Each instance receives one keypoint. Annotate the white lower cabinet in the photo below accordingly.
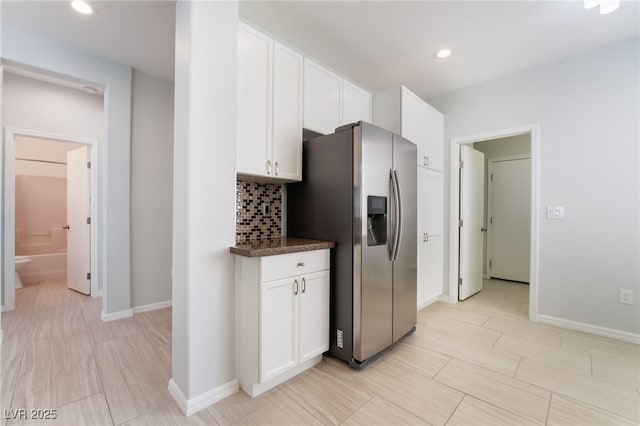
(313, 316)
(282, 322)
(278, 328)
(430, 269)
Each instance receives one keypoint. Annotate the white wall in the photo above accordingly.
(588, 110)
(503, 147)
(151, 189)
(37, 105)
(55, 58)
(204, 203)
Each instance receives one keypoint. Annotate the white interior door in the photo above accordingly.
(472, 216)
(79, 231)
(509, 226)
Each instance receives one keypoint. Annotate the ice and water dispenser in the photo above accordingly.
(376, 221)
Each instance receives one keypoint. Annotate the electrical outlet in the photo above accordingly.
(555, 212)
(625, 296)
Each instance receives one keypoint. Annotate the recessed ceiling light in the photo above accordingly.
(83, 7)
(606, 6)
(443, 53)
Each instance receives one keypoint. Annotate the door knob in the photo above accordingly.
(483, 229)
(66, 227)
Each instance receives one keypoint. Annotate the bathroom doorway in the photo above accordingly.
(50, 220)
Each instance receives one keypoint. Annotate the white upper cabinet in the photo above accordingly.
(322, 98)
(255, 53)
(269, 122)
(356, 104)
(434, 146)
(430, 203)
(287, 113)
(279, 93)
(404, 113)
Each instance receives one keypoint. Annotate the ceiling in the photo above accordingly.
(136, 33)
(377, 44)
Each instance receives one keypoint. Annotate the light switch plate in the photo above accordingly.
(555, 212)
(625, 296)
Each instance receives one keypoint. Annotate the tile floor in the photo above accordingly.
(479, 362)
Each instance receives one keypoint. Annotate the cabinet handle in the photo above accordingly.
(426, 234)
(295, 287)
(300, 264)
(426, 161)
(304, 285)
(268, 167)
(275, 168)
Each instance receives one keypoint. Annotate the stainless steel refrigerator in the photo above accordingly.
(359, 189)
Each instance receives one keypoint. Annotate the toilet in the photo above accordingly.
(21, 262)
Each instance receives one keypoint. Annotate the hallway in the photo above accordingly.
(57, 353)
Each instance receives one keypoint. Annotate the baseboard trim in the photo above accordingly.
(428, 302)
(444, 298)
(589, 328)
(193, 405)
(151, 307)
(116, 315)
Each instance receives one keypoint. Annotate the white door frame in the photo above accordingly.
(488, 225)
(454, 207)
(9, 208)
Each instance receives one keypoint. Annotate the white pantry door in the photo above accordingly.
(78, 228)
(510, 224)
(472, 216)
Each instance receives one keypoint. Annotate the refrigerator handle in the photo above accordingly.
(398, 238)
(396, 215)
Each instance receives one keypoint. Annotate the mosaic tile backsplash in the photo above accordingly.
(251, 222)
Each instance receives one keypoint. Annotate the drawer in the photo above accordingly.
(292, 264)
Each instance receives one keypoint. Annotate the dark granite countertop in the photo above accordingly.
(274, 246)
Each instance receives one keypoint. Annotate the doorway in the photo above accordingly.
(39, 158)
(530, 134)
(508, 216)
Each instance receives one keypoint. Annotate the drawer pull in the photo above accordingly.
(300, 264)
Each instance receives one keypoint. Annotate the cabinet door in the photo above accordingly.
(254, 101)
(322, 98)
(414, 122)
(314, 315)
(356, 104)
(435, 138)
(278, 327)
(430, 202)
(287, 113)
(430, 269)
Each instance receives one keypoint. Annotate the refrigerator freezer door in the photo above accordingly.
(405, 267)
(372, 283)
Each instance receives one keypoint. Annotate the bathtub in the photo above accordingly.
(43, 266)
